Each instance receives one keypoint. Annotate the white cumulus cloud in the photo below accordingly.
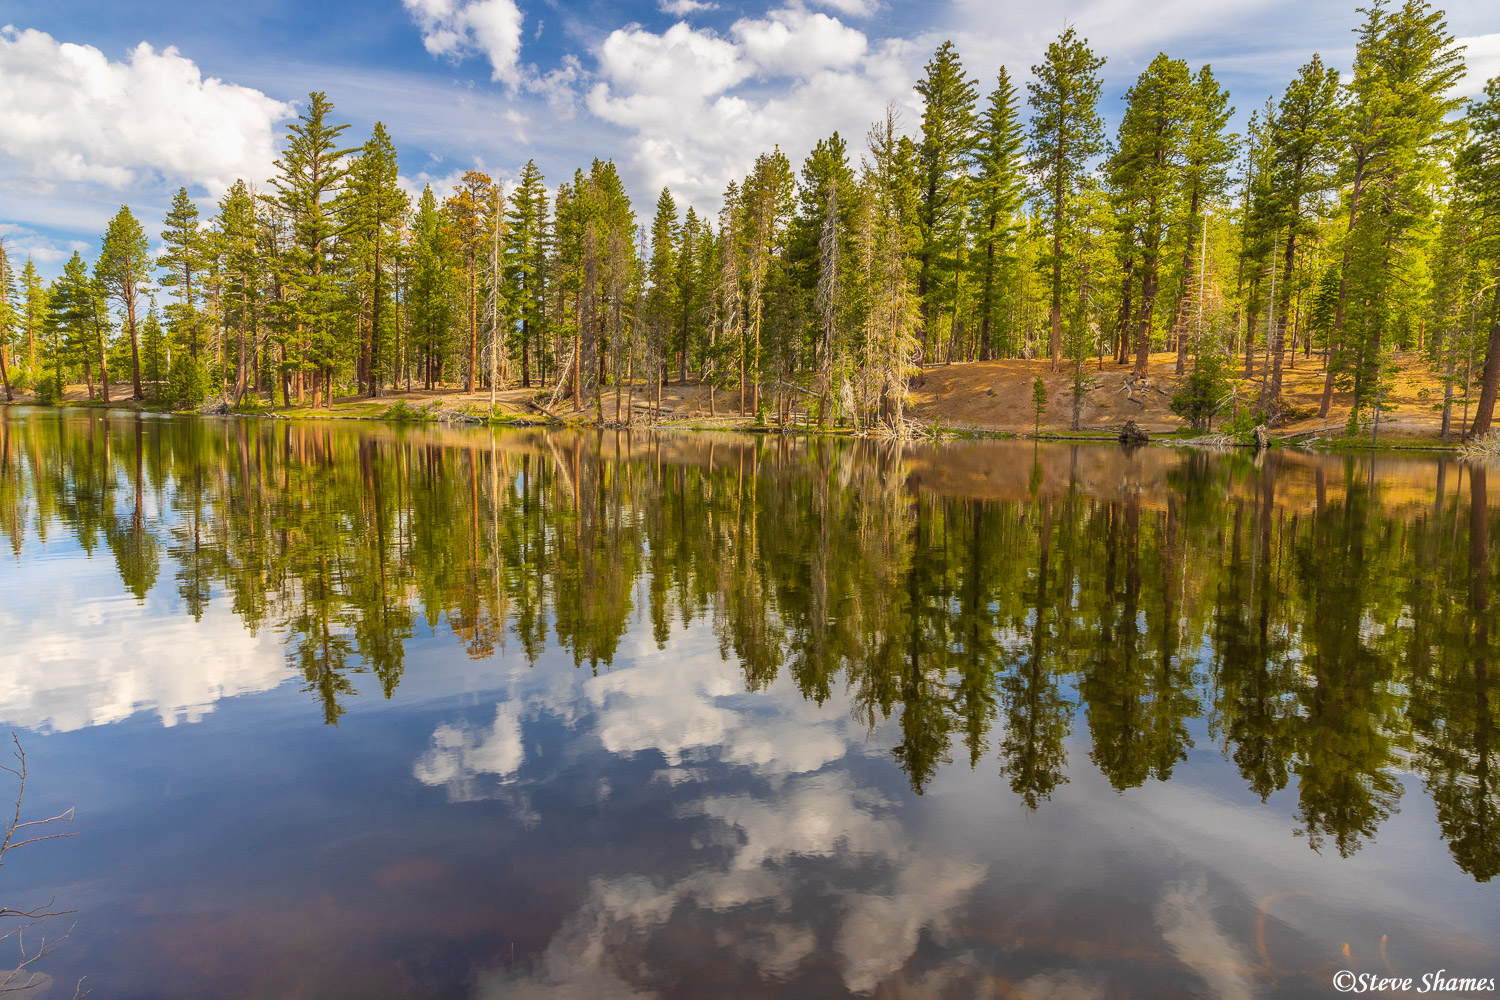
(682, 8)
(70, 114)
(102, 660)
(460, 755)
(699, 105)
(851, 8)
(1482, 62)
(459, 28)
(1185, 914)
(818, 837)
(795, 41)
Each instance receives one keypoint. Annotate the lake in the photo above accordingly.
(356, 710)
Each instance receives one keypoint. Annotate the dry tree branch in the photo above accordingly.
(22, 976)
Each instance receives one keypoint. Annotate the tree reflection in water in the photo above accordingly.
(1329, 623)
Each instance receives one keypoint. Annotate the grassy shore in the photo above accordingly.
(975, 399)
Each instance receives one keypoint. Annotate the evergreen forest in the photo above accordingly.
(1355, 220)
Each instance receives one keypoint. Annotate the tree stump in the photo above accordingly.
(1131, 433)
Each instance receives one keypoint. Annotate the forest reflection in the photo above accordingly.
(1327, 623)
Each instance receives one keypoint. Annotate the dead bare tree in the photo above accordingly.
(19, 833)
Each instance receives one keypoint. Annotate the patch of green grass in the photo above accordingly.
(252, 406)
(403, 412)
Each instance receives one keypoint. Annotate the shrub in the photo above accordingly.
(1242, 427)
(1203, 395)
(403, 411)
(187, 382)
(48, 389)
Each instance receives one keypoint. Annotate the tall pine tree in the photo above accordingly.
(1065, 133)
(948, 98)
(124, 266)
(999, 191)
(309, 174)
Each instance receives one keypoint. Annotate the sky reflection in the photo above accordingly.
(737, 721)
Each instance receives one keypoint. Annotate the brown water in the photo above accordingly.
(357, 711)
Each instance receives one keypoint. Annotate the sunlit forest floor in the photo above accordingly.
(997, 396)
(993, 396)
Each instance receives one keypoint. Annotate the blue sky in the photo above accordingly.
(104, 103)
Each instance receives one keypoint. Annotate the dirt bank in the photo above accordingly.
(988, 396)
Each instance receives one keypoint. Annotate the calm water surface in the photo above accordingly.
(357, 711)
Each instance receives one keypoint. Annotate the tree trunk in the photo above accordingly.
(1338, 313)
(374, 372)
(1284, 307)
(525, 353)
(240, 375)
(1143, 328)
(1126, 285)
(103, 367)
(1055, 345)
(473, 325)
(1179, 310)
(1250, 321)
(989, 286)
(1485, 411)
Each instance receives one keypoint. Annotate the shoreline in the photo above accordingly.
(965, 400)
(350, 411)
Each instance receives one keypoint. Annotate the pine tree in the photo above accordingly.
(373, 208)
(1090, 252)
(689, 288)
(1208, 151)
(615, 277)
(496, 303)
(766, 202)
(822, 262)
(235, 249)
(1145, 172)
(829, 289)
(52, 336)
(124, 266)
(1065, 134)
(1399, 102)
(33, 312)
(432, 288)
(571, 227)
(182, 259)
(526, 262)
(1255, 237)
(155, 354)
(662, 307)
(999, 191)
(948, 99)
(888, 243)
(1478, 169)
(309, 175)
(726, 333)
(7, 317)
(1303, 156)
(466, 209)
(72, 333)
